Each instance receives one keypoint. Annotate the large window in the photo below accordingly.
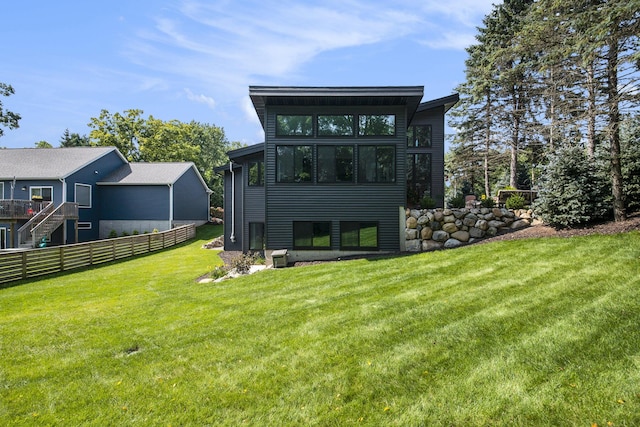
(294, 163)
(42, 193)
(256, 173)
(418, 177)
(256, 236)
(358, 235)
(311, 235)
(83, 195)
(419, 136)
(376, 163)
(335, 163)
(294, 125)
(377, 125)
(341, 125)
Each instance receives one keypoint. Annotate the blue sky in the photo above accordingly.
(195, 59)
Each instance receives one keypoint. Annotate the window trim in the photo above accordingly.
(350, 135)
(87, 225)
(1, 190)
(261, 172)
(75, 195)
(313, 236)
(386, 135)
(334, 158)
(411, 145)
(31, 188)
(3, 237)
(360, 225)
(253, 223)
(394, 164)
(294, 135)
(293, 177)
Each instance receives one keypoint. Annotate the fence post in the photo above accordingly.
(24, 264)
(61, 258)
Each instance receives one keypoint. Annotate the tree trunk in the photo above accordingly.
(591, 110)
(513, 166)
(619, 212)
(487, 147)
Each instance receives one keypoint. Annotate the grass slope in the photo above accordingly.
(532, 332)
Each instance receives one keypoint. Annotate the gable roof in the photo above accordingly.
(48, 163)
(261, 96)
(150, 174)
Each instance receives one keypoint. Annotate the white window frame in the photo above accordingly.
(75, 195)
(40, 187)
(85, 225)
(1, 190)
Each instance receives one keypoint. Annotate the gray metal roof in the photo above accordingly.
(48, 163)
(149, 174)
(261, 96)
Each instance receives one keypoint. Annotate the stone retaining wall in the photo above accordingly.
(430, 229)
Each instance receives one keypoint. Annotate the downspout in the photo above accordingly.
(170, 206)
(233, 204)
(64, 199)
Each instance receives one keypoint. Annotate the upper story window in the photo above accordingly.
(419, 136)
(1, 190)
(335, 163)
(256, 173)
(335, 125)
(377, 163)
(294, 163)
(83, 195)
(294, 125)
(41, 193)
(377, 125)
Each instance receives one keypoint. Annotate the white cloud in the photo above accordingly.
(207, 100)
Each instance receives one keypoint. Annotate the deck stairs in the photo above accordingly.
(45, 222)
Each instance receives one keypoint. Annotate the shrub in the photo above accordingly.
(573, 190)
(113, 234)
(630, 162)
(218, 272)
(242, 263)
(125, 234)
(457, 202)
(486, 202)
(515, 201)
(427, 202)
(135, 232)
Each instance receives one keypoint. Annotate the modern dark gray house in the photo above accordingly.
(69, 195)
(336, 171)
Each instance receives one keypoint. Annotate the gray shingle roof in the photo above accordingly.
(147, 174)
(47, 163)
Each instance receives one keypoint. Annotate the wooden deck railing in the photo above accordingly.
(13, 209)
(17, 265)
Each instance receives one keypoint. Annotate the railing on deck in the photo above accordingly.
(13, 209)
(16, 265)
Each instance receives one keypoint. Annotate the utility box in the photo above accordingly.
(279, 258)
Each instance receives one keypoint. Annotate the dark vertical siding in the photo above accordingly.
(326, 202)
(190, 199)
(435, 118)
(135, 202)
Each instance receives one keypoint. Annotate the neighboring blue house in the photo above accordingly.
(337, 169)
(85, 192)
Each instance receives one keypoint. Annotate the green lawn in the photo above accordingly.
(531, 332)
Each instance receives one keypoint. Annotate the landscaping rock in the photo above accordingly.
(413, 245)
(452, 243)
(426, 233)
(440, 236)
(449, 227)
(431, 245)
(412, 222)
(462, 236)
